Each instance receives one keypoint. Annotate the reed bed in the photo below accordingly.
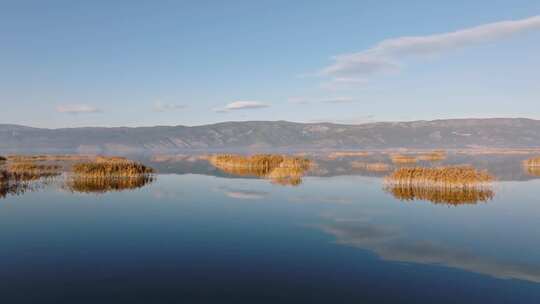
(447, 196)
(443, 177)
(49, 157)
(403, 159)
(433, 156)
(532, 166)
(281, 169)
(111, 167)
(11, 187)
(534, 171)
(262, 164)
(28, 171)
(372, 167)
(17, 183)
(532, 162)
(106, 184)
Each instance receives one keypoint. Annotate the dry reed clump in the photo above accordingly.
(448, 196)
(532, 162)
(48, 157)
(10, 186)
(534, 171)
(28, 171)
(281, 169)
(444, 177)
(263, 163)
(433, 156)
(532, 166)
(111, 167)
(373, 167)
(18, 183)
(106, 184)
(403, 159)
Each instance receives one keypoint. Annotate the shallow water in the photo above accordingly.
(218, 238)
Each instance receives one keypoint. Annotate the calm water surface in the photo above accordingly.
(199, 238)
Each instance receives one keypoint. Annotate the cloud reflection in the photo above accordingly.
(389, 245)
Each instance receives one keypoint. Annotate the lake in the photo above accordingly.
(198, 235)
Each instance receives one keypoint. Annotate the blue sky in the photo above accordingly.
(141, 63)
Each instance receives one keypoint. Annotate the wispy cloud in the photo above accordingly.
(77, 109)
(242, 105)
(386, 55)
(166, 107)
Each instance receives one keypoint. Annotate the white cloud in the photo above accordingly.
(77, 109)
(166, 107)
(242, 105)
(385, 56)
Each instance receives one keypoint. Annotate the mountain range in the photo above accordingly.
(269, 135)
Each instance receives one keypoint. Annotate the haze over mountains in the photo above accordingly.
(452, 133)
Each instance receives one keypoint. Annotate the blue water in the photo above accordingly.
(205, 239)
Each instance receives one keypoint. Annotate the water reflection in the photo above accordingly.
(389, 244)
(98, 185)
(441, 195)
(532, 170)
(19, 182)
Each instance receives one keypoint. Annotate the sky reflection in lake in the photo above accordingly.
(204, 238)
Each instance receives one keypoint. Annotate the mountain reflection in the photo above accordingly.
(441, 195)
(106, 184)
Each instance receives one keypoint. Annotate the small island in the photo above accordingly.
(450, 185)
(281, 169)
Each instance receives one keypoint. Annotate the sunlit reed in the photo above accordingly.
(403, 159)
(281, 169)
(433, 156)
(446, 177)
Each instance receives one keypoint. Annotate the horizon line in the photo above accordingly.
(274, 121)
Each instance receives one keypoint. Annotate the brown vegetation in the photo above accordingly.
(433, 156)
(403, 159)
(20, 178)
(532, 162)
(444, 177)
(51, 157)
(281, 169)
(22, 173)
(106, 184)
(335, 155)
(532, 166)
(448, 185)
(111, 167)
(449, 196)
(373, 167)
(30, 169)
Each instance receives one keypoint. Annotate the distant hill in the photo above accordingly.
(452, 133)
